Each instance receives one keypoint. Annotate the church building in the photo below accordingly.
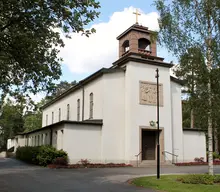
(111, 116)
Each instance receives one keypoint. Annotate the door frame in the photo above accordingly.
(161, 137)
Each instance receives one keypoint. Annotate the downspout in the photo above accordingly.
(83, 102)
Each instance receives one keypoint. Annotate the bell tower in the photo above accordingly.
(137, 39)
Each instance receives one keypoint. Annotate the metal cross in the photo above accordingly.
(137, 14)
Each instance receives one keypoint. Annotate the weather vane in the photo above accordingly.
(137, 14)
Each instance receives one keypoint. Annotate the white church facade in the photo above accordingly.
(107, 116)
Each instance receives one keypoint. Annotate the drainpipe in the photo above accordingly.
(83, 102)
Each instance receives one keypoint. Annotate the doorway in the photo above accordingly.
(148, 144)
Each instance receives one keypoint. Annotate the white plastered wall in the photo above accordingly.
(82, 142)
(194, 145)
(113, 118)
(95, 87)
(177, 129)
(137, 115)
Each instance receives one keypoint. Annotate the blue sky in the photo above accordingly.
(108, 9)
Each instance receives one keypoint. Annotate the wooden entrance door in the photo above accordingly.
(148, 145)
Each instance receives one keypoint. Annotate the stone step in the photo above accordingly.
(154, 164)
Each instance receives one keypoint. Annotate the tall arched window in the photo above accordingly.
(78, 110)
(59, 114)
(46, 119)
(91, 106)
(126, 46)
(68, 112)
(144, 44)
(52, 117)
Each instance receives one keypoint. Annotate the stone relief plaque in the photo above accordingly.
(148, 93)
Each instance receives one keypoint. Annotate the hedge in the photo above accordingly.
(41, 155)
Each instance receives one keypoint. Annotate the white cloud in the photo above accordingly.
(85, 55)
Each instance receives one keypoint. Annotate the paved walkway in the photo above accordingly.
(16, 176)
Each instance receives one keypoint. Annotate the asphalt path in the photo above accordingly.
(16, 176)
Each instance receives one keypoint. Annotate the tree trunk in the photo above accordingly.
(210, 130)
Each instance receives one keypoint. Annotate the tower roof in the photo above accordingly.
(135, 27)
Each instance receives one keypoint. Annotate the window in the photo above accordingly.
(55, 139)
(78, 110)
(68, 111)
(91, 106)
(38, 139)
(46, 119)
(59, 114)
(52, 117)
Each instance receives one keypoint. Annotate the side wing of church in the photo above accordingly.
(111, 115)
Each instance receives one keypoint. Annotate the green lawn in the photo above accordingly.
(169, 184)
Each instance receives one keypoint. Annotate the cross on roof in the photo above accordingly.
(137, 14)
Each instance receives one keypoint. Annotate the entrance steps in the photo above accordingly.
(152, 164)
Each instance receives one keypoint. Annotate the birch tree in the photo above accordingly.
(189, 23)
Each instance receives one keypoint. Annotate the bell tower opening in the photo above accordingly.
(126, 46)
(144, 44)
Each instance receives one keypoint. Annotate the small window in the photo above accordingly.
(52, 117)
(78, 110)
(91, 106)
(45, 139)
(42, 139)
(38, 139)
(68, 111)
(46, 119)
(59, 114)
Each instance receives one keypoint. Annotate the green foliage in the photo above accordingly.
(190, 29)
(11, 122)
(32, 121)
(184, 24)
(28, 154)
(216, 155)
(48, 154)
(40, 155)
(59, 88)
(200, 179)
(60, 161)
(170, 183)
(30, 40)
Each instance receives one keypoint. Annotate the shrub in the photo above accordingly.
(216, 155)
(200, 179)
(47, 154)
(200, 160)
(85, 162)
(42, 155)
(60, 161)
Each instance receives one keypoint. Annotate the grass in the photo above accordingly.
(170, 184)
